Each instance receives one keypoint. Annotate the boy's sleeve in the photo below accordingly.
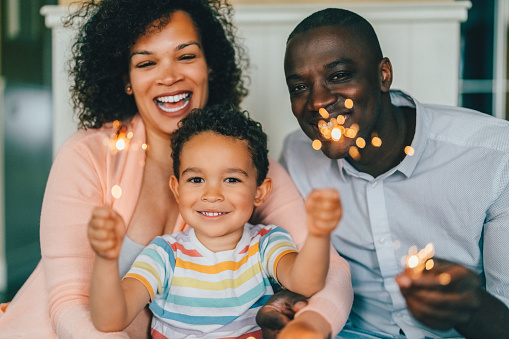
(273, 246)
(154, 266)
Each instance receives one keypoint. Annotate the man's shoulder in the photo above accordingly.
(467, 127)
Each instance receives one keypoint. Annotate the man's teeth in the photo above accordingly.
(212, 214)
(173, 98)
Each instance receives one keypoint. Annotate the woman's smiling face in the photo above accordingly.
(168, 73)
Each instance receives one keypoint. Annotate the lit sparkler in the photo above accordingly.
(421, 260)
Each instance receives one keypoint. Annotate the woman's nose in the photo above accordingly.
(170, 74)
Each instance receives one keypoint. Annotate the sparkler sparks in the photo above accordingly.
(116, 191)
(419, 261)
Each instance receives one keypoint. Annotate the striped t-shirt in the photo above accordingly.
(196, 293)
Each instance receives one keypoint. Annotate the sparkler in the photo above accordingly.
(419, 261)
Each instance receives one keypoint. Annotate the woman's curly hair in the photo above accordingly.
(224, 120)
(111, 27)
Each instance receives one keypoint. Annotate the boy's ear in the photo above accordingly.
(263, 191)
(174, 186)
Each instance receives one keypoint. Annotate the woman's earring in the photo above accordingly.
(128, 89)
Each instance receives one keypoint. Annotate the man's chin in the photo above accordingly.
(334, 151)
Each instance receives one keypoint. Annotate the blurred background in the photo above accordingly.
(27, 104)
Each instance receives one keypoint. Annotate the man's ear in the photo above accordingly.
(385, 71)
(263, 191)
(174, 186)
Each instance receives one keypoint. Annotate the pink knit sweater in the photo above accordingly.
(53, 303)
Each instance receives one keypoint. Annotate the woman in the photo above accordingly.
(140, 67)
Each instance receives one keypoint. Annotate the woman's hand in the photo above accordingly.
(276, 318)
(106, 231)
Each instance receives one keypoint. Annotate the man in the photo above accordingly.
(450, 190)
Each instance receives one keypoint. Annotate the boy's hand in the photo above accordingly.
(324, 211)
(106, 231)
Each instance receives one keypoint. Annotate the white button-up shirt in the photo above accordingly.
(453, 192)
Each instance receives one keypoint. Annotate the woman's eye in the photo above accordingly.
(232, 180)
(145, 64)
(187, 57)
(195, 180)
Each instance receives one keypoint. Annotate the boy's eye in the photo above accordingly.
(195, 180)
(232, 180)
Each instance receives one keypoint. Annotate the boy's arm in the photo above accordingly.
(113, 303)
(305, 272)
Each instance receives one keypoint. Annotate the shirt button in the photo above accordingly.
(381, 241)
(374, 183)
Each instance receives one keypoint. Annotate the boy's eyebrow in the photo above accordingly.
(228, 170)
(178, 48)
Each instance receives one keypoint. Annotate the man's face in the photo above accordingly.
(324, 67)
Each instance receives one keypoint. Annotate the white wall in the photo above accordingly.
(422, 39)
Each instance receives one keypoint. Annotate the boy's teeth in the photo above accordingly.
(212, 214)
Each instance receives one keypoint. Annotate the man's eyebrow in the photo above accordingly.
(179, 47)
(342, 61)
(330, 65)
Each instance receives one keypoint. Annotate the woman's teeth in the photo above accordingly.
(161, 101)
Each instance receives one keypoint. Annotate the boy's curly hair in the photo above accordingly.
(225, 120)
(111, 27)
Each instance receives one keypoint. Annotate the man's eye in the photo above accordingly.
(339, 76)
(232, 180)
(297, 89)
(195, 180)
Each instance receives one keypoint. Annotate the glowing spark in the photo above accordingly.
(361, 143)
(409, 150)
(444, 279)
(418, 261)
(120, 144)
(317, 144)
(354, 153)
(340, 119)
(144, 146)
(130, 135)
(350, 133)
(116, 191)
(322, 124)
(336, 134)
(116, 124)
(413, 261)
(348, 103)
(376, 141)
(323, 112)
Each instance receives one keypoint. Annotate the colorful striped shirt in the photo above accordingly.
(197, 293)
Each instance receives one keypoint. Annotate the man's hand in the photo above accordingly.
(106, 231)
(276, 319)
(443, 297)
(324, 211)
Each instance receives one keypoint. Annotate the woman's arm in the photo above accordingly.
(76, 184)
(285, 207)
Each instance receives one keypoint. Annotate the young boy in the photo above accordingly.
(210, 281)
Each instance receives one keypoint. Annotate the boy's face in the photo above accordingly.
(217, 188)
